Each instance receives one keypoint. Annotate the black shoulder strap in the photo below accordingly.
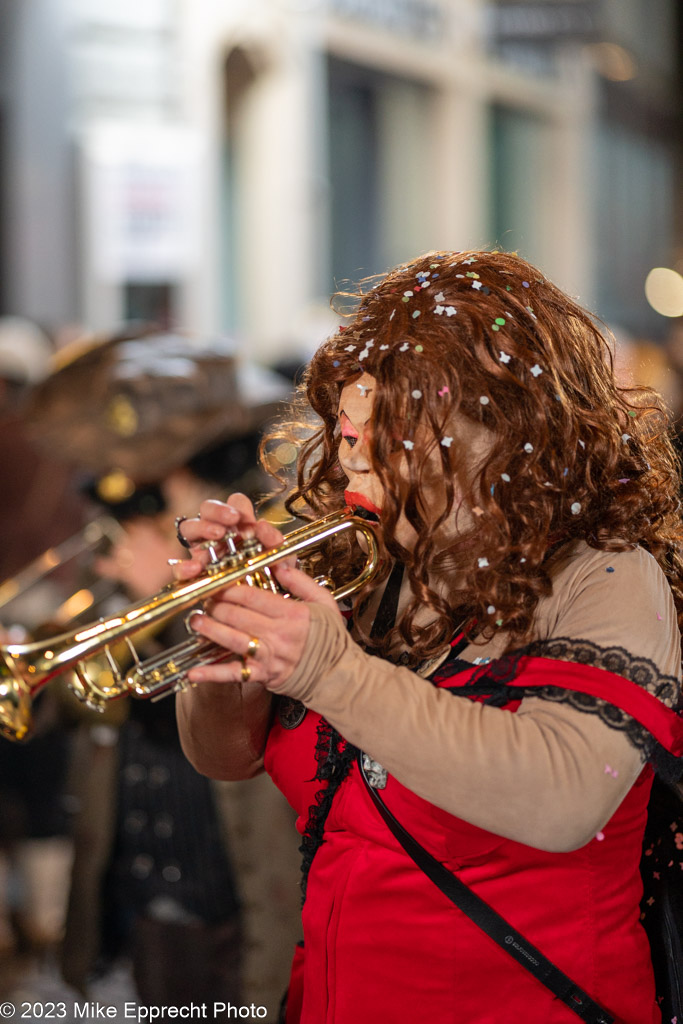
(388, 606)
(486, 918)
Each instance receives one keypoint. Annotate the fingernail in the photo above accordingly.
(194, 620)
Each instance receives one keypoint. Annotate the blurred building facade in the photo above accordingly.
(223, 165)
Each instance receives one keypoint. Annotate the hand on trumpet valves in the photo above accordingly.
(213, 521)
(267, 631)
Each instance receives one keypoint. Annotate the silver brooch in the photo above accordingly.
(374, 773)
(290, 712)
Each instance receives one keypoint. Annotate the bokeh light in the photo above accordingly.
(664, 291)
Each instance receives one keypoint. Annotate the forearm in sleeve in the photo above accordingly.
(223, 728)
(548, 776)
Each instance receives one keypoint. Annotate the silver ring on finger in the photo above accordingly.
(182, 540)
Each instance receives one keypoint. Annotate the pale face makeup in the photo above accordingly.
(364, 488)
(355, 411)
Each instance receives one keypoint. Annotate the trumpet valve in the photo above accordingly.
(215, 561)
(251, 546)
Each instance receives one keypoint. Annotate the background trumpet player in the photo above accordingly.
(163, 860)
(532, 588)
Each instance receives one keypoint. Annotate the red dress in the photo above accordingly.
(382, 943)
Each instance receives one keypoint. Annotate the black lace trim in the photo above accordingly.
(334, 757)
(618, 660)
(492, 681)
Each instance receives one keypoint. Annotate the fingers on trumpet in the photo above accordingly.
(204, 535)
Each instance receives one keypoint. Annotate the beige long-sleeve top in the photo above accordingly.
(549, 776)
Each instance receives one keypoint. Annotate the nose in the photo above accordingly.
(357, 459)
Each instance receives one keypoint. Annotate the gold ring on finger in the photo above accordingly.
(252, 647)
(246, 673)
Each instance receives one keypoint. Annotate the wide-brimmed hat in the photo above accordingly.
(25, 350)
(145, 404)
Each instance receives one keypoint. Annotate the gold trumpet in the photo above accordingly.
(26, 668)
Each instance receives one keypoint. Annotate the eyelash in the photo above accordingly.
(350, 440)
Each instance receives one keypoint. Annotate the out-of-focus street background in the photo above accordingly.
(223, 164)
(215, 169)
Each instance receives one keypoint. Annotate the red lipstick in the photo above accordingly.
(356, 498)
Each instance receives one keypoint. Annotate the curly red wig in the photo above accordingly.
(573, 454)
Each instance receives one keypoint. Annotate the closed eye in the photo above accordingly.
(348, 431)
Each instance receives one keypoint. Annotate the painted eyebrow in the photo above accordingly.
(349, 425)
(343, 412)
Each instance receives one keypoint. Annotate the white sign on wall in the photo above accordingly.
(420, 18)
(142, 203)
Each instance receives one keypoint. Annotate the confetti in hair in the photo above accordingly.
(597, 465)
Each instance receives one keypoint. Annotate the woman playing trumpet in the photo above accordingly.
(508, 680)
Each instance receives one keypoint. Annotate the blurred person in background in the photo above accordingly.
(151, 421)
(40, 507)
